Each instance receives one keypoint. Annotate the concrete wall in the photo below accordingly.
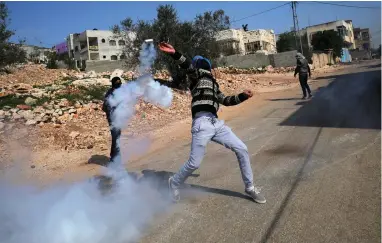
(104, 66)
(283, 59)
(360, 54)
(246, 61)
(321, 59)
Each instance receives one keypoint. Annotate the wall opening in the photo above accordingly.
(121, 42)
(114, 57)
(103, 40)
(112, 43)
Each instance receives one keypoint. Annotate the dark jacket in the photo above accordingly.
(107, 108)
(206, 95)
(302, 67)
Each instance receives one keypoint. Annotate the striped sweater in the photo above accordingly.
(206, 95)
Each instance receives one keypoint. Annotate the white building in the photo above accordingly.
(36, 54)
(95, 45)
(247, 42)
(344, 27)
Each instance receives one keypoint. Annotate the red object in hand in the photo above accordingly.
(248, 93)
(167, 48)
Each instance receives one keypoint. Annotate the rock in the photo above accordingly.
(91, 82)
(91, 74)
(90, 146)
(14, 110)
(16, 116)
(56, 125)
(72, 111)
(2, 125)
(38, 93)
(49, 112)
(30, 101)
(22, 88)
(28, 115)
(24, 107)
(269, 68)
(55, 114)
(73, 135)
(39, 110)
(33, 166)
(2, 114)
(31, 122)
(7, 108)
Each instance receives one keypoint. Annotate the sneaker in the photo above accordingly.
(310, 96)
(303, 98)
(174, 192)
(256, 196)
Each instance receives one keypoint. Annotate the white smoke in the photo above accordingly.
(81, 212)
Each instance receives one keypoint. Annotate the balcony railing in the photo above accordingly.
(93, 48)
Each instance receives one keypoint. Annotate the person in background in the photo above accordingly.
(206, 98)
(303, 71)
(116, 83)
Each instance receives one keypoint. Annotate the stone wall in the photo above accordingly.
(105, 66)
(360, 54)
(245, 61)
(320, 59)
(283, 59)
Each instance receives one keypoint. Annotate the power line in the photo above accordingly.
(260, 13)
(343, 5)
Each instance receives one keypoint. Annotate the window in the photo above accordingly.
(103, 41)
(104, 57)
(114, 57)
(112, 43)
(365, 35)
(122, 57)
(252, 47)
(121, 42)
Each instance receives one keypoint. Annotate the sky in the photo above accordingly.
(48, 23)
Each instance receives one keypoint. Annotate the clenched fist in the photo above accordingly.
(248, 93)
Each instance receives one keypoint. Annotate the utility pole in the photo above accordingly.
(296, 27)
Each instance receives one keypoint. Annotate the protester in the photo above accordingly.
(303, 71)
(206, 127)
(108, 109)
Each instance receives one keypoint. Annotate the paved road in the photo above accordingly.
(317, 162)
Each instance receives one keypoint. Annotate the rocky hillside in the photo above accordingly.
(64, 107)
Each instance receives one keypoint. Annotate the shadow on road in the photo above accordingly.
(349, 101)
(101, 160)
(158, 180)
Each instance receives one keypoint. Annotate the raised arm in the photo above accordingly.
(234, 99)
(181, 60)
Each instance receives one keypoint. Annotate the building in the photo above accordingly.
(243, 42)
(61, 48)
(36, 54)
(344, 27)
(362, 39)
(95, 45)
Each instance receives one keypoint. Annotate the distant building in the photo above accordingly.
(344, 27)
(36, 54)
(362, 39)
(95, 45)
(238, 41)
(61, 48)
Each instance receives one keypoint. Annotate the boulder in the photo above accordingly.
(30, 101)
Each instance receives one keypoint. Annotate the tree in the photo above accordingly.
(192, 38)
(52, 61)
(9, 52)
(328, 39)
(287, 42)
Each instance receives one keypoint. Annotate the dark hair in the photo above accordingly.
(115, 79)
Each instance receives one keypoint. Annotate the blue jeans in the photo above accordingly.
(205, 127)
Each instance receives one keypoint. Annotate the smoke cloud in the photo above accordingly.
(81, 212)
